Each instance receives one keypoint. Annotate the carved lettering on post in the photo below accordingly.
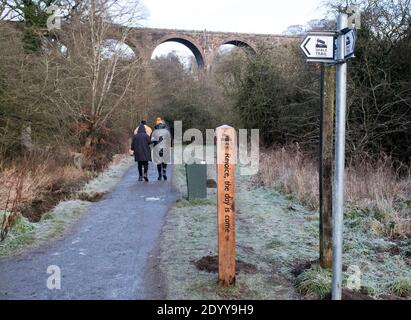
(226, 158)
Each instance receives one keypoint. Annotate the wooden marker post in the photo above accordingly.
(326, 164)
(226, 155)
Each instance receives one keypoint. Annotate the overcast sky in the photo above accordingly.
(254, 16)
(251, 16)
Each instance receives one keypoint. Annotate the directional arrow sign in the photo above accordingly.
(319, 47)
(350, 39)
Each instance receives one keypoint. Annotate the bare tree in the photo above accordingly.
(87, 91)
(97, 78)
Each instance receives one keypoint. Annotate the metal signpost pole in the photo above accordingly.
(338, 190)
(334, 47)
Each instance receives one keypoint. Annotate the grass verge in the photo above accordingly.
(274, 233)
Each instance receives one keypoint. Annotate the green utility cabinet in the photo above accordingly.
(196, 180)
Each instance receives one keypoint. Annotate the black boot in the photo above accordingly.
(140, 178)
(145, 177)
(159, 178)
(164, 175)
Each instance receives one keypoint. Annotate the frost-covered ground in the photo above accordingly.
(273, 233)
(52, 224)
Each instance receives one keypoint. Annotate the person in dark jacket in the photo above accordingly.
(161, 154)
(142, 152)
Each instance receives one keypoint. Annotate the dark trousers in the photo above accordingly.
(162, 169)
(141, 165)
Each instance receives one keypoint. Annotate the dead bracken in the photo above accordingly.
(91, 197)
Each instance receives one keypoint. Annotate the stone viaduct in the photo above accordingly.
(203, 44)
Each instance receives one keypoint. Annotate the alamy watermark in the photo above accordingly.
(191, 147)
(354, 16)
(54, 280)
(354, 278)
(54, 20)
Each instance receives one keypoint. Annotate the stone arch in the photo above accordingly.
(124, 43)
(248, 48)
(189, 43)
(116, 34)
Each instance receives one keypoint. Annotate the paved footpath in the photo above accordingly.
(110, 253)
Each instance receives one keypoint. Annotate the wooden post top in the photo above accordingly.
(224, 133)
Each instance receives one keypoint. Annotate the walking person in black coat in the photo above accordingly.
(142, 152)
